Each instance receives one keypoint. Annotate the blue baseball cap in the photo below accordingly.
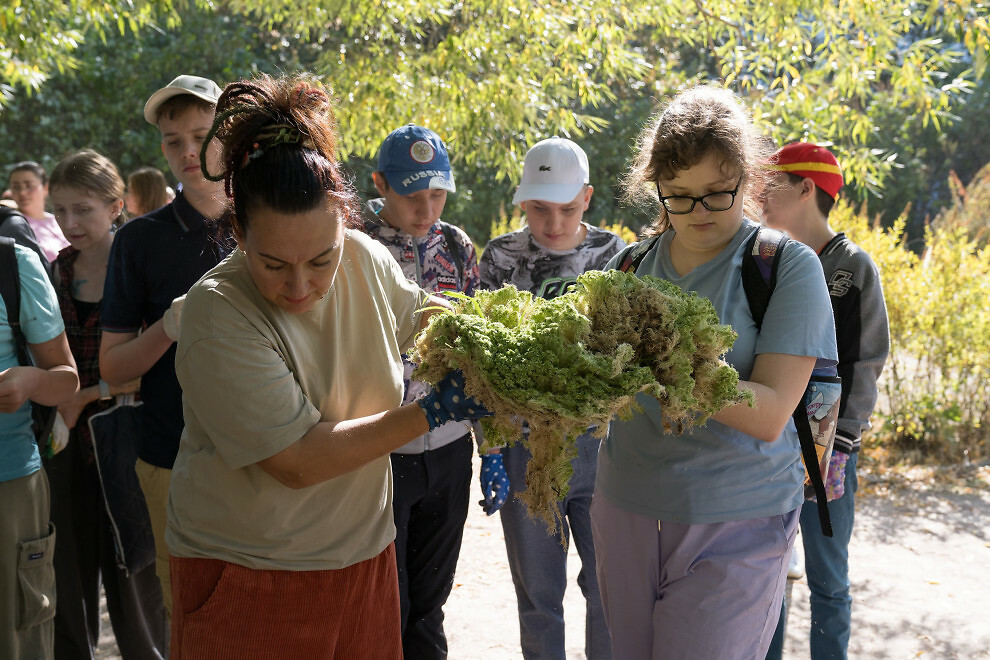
(413, 158)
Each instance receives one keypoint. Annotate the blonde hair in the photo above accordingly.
(149, 188)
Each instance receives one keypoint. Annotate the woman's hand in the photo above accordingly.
(447, 402)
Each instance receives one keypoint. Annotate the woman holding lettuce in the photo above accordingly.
(280, 522)
(693, 530)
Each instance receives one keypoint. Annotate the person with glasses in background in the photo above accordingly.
(693, 530)
(805, 184)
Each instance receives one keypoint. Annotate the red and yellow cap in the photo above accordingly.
(811, 161)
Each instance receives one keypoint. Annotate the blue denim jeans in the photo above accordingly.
(538, 561)
(826, 564)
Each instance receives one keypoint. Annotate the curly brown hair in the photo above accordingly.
(279, 149)
(699, 122)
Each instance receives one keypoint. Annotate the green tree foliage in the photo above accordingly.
(518, 71)
(932, 163)
(100, 104)
(866, 77)
(39, 37)
(492, 77)
(934, 390)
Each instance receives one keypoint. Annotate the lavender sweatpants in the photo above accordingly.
(673, 591)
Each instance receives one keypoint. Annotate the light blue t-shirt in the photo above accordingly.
(714, 473)
(41, 321)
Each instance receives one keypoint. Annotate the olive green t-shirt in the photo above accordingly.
(255, 379)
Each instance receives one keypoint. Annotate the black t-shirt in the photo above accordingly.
(155, 259)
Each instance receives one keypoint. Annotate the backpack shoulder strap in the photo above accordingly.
(635, 253)
(10, 280)
(7, 211)
(810, 457)
(759, 275)
(14, 225)
(759, 269)
(455, 249)
(10, 290)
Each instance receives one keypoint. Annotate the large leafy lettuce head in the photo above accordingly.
(578, 360)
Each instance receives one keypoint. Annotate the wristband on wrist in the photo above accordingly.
(104, 391)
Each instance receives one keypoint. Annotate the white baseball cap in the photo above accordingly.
(202, 88)
(555, 171)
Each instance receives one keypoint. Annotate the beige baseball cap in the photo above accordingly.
(202, 88)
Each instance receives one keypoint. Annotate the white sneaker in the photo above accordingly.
(795, 567)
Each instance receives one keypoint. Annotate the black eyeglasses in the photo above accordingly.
(684, 204)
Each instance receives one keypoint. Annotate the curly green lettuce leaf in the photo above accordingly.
(579, 360)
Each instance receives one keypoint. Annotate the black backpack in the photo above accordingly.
(759, 275)
(455, 249)
(16, 226)
(42, 417)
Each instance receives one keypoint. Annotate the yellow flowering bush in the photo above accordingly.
(935, 398)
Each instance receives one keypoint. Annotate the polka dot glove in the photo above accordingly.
(447, 402)
(494, 483)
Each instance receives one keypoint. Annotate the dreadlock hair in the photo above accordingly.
(704, 121)
(279, 149)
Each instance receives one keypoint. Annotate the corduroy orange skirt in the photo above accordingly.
(222, 610)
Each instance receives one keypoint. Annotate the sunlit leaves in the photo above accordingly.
(935, 386)
(817, 71)
(494, 76)
(39, 37)
(491, 77)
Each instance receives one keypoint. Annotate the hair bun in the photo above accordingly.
(308, 94)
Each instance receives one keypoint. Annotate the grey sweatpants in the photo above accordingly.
(674, 591)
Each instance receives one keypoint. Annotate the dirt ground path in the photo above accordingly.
(918, 564)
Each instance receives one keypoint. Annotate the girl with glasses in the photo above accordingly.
(693, 530)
